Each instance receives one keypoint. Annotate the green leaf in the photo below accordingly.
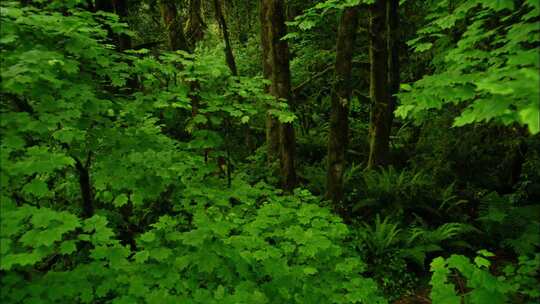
(141, 257)
(310, 270)
(531, 117)
(498, 5)
(485, 253)
(160, 254)
(422, 47)
(37, 188)
(148, 237)
(68, 247)
(120, 200)
(482, 262)
(405, 87)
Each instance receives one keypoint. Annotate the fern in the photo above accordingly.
(420, 241)
(390, 186)
(380, 237)
(513, 226)
(385, 236)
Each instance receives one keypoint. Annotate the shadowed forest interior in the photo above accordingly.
(270, 151)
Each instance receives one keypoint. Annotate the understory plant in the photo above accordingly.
(457, 280)
(392, 252)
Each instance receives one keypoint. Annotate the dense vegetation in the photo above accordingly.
(272, 151)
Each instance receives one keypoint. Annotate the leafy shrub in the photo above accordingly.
(385, 236)
(389, 250)
(287, 250)
(393, 191)
(517, 285)
(511, 224)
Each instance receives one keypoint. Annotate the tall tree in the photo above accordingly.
(393, 45)
(173, 24)
(177, 41)
(121, 9)
(276, 67)
(195, 24)
(381, 111)
(339, 117)
(104, 5)
(272, 126)
(229, 56)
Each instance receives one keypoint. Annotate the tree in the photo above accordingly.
(341, 93)
(393, 43)
(229, 56)
(173, 25)
(272, 125)
(380, 93)
(177, 41)
(195, 24)
(485, 56)
(121, 9)
(276, 68)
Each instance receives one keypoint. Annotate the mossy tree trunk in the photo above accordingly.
(272, 126)
(381, 77)
(195, 24)
(339, 116)
(173, 25)
(276, 68)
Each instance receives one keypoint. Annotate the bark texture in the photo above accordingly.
(277, 56)
(229, 56)
(338, 136)
(379, 131)
(272, 126)
(85, 186)
(173, 25)
(195, 24)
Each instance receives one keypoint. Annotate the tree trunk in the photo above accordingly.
(104, 5)
(381, 111)
(195, 24)
(229, 57)
(272, 126)
(339, 116)
(177, 41)
(85, 187)
(121, 9)
(277, 56)
(393, 43)
(231, 62)
(173, 25)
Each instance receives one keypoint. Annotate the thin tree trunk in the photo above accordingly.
(277, 56)
(86, 187)
(229, 57)
(339, 117)
(379, 90)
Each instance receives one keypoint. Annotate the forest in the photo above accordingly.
(270, 151)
